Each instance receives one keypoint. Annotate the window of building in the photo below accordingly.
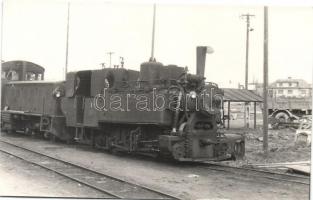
(279, 84)
(289, 91)
(303, 92)
(280, 91)
(290, 84)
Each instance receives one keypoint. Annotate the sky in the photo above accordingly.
(35, 30)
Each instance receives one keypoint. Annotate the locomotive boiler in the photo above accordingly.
(159, 110)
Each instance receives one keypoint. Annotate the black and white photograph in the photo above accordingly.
(143, 99)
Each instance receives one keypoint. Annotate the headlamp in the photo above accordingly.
(58, 94)
(193, 94)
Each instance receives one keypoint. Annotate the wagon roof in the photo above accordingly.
(17, 64)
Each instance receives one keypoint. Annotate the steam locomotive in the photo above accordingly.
(159, 110)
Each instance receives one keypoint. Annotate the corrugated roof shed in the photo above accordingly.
(241, 95)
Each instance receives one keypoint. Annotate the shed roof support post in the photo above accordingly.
(254, 115)
(248, 114)
(228, 113)
(223, 114)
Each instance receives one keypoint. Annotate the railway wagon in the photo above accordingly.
(27, 101)
(159, 110)
(31, 107)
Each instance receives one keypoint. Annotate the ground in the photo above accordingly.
(182, 180)
(281, 144)
(17, 178)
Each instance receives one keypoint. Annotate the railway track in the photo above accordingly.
(257, 173)
(109, 185)
(104, 183)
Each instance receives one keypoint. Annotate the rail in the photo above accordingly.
(107, 184)
(244, 171)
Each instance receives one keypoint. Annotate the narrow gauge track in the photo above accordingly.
(257, 173)
(109, 185)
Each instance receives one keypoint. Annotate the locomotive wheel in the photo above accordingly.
(239, 151)
(28, 131)
(70, 141)
(11, 131)
(49, 136)
(46, 135)
(101, 142)
(178, 151)
(52, 138)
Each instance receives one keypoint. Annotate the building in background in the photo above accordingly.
(287, 97)
(285, 88)
(290, 87)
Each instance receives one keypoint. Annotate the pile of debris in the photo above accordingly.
(284, 121)
(289, 149)
(304, 131)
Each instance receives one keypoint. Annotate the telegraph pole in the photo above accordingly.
(67, 36)
(247, 17)
(265, 83)
(110, 54)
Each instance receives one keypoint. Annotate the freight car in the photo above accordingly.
(159, 110)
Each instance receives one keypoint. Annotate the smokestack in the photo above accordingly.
(201, 55)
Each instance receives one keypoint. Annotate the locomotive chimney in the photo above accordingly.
(201, 55)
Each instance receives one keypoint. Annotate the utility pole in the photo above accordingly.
(265, 83)
(247, 17)
(67, 37)
(110, 54)
(152, 58)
